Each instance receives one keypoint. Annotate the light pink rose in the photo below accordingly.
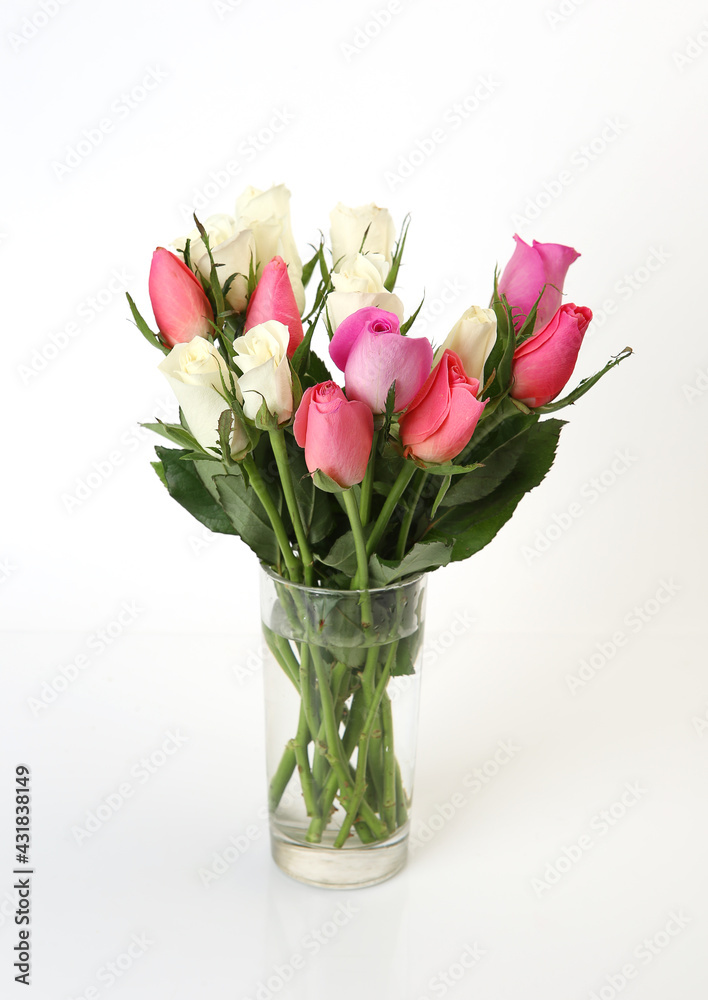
(544, 363)
(369, 349)
(274, 298)
(335, 432)
(530, 268)
(182, 310)
(441, 419)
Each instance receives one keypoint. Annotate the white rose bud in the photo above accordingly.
(234, 256)
(348, 226)
(194, 372)
(472, 339)
(359, 283)
(262, 356)
(219, 228)
(267, 214)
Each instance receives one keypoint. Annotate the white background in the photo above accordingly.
(581, 124)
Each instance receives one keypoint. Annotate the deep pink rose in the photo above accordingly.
(335, 432)
(368, 347)
(442, 417)
(530, 268)
(274, 298)
(544, 363)
(181, 308)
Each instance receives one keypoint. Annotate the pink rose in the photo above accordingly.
(335, 432)
(441, 419)
(544, 363)
(274, 298)
(181, 308)
(368, 347)
(530, 268)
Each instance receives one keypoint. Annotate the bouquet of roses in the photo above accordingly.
(416, 461)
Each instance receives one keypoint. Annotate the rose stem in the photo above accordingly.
(261, 491)
(390, 502)
(277, 440)
(408, 518)
(368, 483)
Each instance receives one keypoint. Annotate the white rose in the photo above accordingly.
(219, 228)
(267, 214)
(234, 256)
(359, 272)
(343, 304)
(262, 356)
(194, 372)
(348, 226)
(472, 339)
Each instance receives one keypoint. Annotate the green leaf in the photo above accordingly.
(444, 487)
(494, 429)
(309, 267)
(468, 527)
(423, 557)
(317, 371)
(247, 515)
(153, 338)
(587, 383)
(186, 487)
(160, 470)
(390, 282)
(389, 411)
(445, 468)
(175, 433)
(411, 319)
(342, 556)
(497, 466)
(326, 483)
(407, 653)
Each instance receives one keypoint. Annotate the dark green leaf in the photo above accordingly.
(392, 276)
(186, 487)
(342, 555)
(444, 487)
(423, 557)
(411, 319)
(246, 514)
(153, 338)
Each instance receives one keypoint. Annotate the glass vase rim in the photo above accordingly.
(304, 587)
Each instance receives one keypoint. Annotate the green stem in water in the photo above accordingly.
(388, 811)
(300, 744)
(361, 577)
(408, 519)
(367, 485)
(404, 477)
(261, 491)
(277, 440)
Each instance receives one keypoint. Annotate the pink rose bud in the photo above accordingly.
(530, 268)
(441, 419)
(335, 432)
(274, 298)
(181, 308)
(544, 363)
(368, 347)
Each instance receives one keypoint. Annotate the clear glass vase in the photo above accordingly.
(342, 675)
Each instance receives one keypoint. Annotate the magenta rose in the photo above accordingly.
(530, 268)
(335, 432)
(274, 298)
(181, 308)
(441, 419)
(544, 363)
(368, 347)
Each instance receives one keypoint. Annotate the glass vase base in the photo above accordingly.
(353, 867)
